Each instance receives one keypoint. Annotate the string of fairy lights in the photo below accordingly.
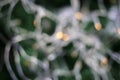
(68, 30)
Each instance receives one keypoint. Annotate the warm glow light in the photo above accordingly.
(104, 61)
(61, 35)
(78, 15)
(65, 37)
(98, 26)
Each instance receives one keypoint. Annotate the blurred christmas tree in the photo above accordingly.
(60, 39)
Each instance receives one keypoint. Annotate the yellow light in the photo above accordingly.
(78, 15)
(62, 36)
(65, 37)
(104, 61)
(59, 35)
(98, 26)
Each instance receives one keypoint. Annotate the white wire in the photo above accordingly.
(7, 62)
(18, 66)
